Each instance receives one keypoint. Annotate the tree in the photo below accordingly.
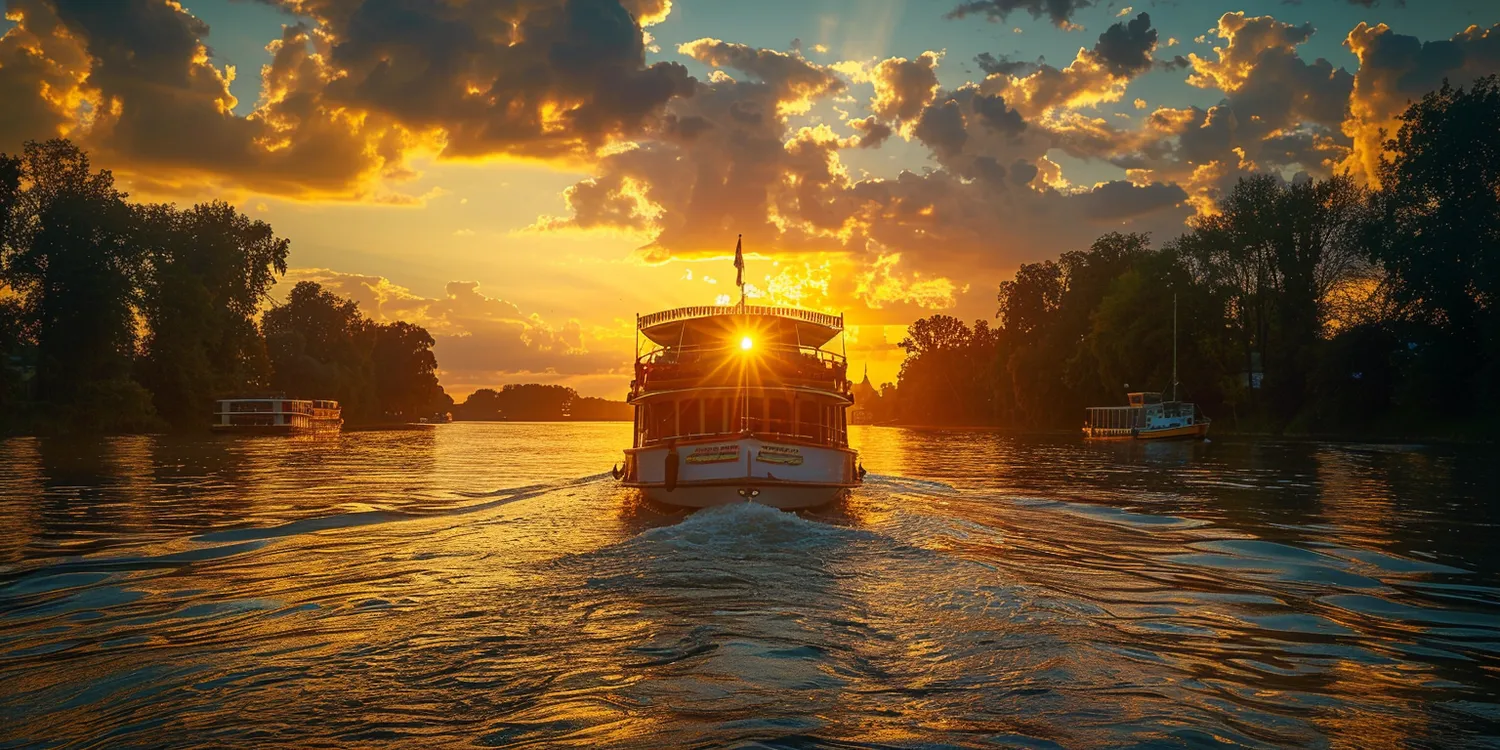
(208, 270)
(67, 252)
(1027, 303)
(1440, 244)
(406, 383)
(320, 347)
(1276, 253)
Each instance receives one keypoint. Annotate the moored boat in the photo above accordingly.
(740, 404)
(277, 415)
(1147, 416)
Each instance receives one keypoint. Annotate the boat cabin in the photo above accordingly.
(1146, 412)
(718, 371)
(276, 414)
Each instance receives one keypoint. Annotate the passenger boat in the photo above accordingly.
(276, 415)
(1147, 416)
(740, 404)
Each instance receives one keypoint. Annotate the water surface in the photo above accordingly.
(478, 585)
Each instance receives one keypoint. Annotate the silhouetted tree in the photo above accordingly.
(406, 382)
(1440, 244)
(208, 270)
(320, 347)
(67, 252)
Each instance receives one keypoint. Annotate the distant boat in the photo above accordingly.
(276, 415)
(1148, 417)
(740, 404)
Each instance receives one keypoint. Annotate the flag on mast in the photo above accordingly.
(739, 265)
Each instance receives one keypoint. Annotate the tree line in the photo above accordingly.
(119, 316)
(539, 403)
(1305, 305)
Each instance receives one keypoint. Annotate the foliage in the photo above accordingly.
(113, 313)
(406, 383)
(208, 270)
(66, 251)
(1439, 238)
(1361, 309)
(538, 403)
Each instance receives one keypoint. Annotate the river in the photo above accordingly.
(479, 585)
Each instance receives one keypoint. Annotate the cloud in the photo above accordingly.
(1395, 70)
(1125, 49)
(1120, 199)
(1059, 12)
(349, 96)
(903, 87)
(872, 132)
(900, 245)
(796, 81)
(1096, 75)
(1003, 65)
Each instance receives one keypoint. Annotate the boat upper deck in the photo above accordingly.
(744, 346)
(691, 325)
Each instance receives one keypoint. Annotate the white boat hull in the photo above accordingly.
(745, 469)
(782, 496)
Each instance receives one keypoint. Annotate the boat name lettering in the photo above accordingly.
(779, 454)
(715, 454)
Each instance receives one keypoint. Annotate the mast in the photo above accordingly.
(1174, 346)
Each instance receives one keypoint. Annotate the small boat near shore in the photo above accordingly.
(276, 415)
(1147, 416)
(740, 404)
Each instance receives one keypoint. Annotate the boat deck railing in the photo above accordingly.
(834, 322)
(787, 362)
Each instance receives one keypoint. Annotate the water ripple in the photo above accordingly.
(980, 590)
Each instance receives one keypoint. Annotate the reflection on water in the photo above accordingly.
(487, 584)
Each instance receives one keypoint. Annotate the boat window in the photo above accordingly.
(714, 422)
(779, 416)
(807, 420)
(689, 418)
(755, 419)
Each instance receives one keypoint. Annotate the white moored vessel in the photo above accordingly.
(1148, 417)
(740, 403)
(276, 414)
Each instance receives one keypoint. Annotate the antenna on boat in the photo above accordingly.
(739, 267)
(1174, 346)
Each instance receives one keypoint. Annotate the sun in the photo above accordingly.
(746, 344)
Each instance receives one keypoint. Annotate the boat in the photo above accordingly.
(276, 415)
(1147, 416)
(740, 403)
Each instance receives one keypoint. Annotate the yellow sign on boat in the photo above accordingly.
(715, 454)
(779, 454)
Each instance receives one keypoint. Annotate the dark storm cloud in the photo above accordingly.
(348, 94)
(1059, 12)
(872, 132)
(941, 127)
(1125, 48)
(1121, 200)
(535, 77)
(1002, 64)
(996, 116)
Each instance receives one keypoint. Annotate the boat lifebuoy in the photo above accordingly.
(669, 471)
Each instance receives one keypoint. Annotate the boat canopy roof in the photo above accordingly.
(695, 325)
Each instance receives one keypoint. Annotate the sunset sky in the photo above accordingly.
(523, 176)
